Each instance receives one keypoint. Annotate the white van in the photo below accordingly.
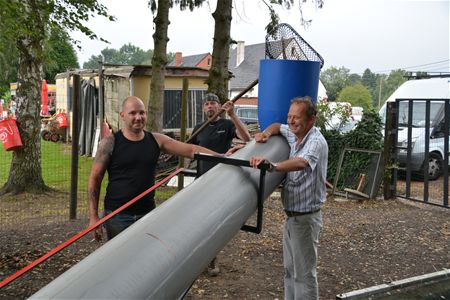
(430, 88)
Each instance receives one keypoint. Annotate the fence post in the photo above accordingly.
(184, 100)
(389, 181)
(446, 158)
(101, 98)
(75, 136)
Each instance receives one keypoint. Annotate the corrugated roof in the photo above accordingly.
(139, 70)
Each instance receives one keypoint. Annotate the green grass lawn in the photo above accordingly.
(56, 169)
(56, 166)
(56, 172)
(5, 164)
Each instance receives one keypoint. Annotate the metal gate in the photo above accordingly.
(417, 134)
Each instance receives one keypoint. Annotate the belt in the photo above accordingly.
(296, 213)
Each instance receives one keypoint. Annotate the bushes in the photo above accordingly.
(366, 135)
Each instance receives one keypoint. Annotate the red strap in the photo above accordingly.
(85, 231)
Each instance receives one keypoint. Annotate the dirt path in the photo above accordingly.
(362, 244)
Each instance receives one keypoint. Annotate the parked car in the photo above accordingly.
(247, 113)
(431, 88)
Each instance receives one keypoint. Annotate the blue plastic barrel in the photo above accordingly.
(279, 82)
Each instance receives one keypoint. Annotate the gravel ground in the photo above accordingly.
(363, 243)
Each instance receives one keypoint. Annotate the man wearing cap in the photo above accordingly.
(217, 136)
(220, 132)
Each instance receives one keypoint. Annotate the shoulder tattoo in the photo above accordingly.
(104, 151)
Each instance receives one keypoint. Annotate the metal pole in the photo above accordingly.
(75, 136)
(379, 92)
(160, 256)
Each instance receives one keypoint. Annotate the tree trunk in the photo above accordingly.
(159, 61)
(26, 174)
(218, 74)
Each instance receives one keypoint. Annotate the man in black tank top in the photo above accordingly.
(130, 157)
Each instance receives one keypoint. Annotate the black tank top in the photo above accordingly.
(131, 171)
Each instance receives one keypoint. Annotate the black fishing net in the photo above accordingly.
(285, 43)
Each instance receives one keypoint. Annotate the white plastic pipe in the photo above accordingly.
(160, 256)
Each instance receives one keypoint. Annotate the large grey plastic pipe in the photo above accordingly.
(160, 256)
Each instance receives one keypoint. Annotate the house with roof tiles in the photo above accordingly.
(243, 63)
(198, 60)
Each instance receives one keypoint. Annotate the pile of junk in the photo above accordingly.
(53, 128)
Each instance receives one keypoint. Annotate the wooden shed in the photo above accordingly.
(120, 81)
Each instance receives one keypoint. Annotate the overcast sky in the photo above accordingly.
(377, 34)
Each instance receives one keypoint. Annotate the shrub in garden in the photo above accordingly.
(366, 135)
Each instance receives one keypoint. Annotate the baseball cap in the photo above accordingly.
(211, 97)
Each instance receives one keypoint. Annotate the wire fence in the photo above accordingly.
(54, 205)
(31, 225)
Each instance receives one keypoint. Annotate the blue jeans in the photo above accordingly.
(119, 223)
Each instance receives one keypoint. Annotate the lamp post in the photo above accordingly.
(379, 92)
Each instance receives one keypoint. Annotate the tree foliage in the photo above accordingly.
(59, 54)
(93, 62)
(274, 19)
(366, 135)
(380, 86)
(353, 79)
(334, 79)
(356, 95)
(331, 116)
(391, 83)
(9, 63)
(369, 80)
(128, 54)
(27, 23)
(19, 17)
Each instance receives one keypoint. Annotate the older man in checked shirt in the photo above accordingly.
(304, 193)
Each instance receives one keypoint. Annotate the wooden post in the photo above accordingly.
(101, 99)
(75, 136)
(389, 182)
(184, 100)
